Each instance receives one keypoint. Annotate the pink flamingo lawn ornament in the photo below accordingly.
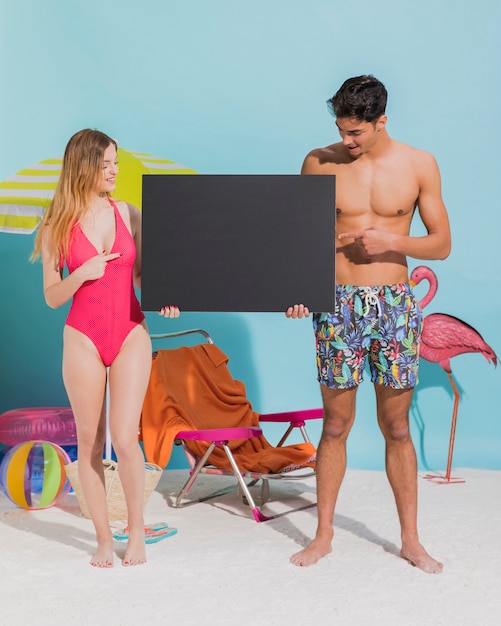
(444, 337)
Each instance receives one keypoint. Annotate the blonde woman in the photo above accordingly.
(99, 241)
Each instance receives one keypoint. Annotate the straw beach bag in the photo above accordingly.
(117, 508)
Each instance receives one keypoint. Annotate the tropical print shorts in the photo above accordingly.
(379, 324)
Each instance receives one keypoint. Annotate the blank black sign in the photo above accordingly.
(238, 242)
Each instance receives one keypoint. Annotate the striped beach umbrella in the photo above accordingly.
(25, 196)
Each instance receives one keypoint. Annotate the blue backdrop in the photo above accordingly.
(238, 87)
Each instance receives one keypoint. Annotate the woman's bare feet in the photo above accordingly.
(315, 550)
(103, 556)
(417, 556)
(136, 551)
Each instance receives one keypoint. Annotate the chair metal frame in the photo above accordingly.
(221, 437)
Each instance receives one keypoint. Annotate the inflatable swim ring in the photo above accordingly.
(53, 424)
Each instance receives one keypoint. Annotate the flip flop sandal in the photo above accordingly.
(168, 532)
(151, 530)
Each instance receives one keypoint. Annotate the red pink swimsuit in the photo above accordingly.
(105, 309)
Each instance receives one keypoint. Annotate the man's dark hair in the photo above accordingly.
(363, 97)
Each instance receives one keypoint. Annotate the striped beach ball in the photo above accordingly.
(32, 474)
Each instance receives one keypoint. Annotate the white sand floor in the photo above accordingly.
(224, 568)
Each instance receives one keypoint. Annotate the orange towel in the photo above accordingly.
(191, 388)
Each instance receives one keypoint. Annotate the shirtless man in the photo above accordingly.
(379, 184)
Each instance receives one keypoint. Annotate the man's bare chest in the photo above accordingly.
(377, 192)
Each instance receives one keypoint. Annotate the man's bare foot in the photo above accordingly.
(136, 551)
(315, 550)
(418, 557)
(103, 556)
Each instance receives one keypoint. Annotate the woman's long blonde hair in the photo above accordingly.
(81, 175)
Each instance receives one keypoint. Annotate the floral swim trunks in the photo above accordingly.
(381, 324)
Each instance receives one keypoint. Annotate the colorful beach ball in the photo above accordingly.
(32, 474)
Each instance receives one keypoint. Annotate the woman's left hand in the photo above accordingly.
(169, 311)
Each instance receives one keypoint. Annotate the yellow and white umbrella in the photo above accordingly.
(25, 196)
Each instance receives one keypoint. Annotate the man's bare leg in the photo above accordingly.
(401, 468)
(339, 413)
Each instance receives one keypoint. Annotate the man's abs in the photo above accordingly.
(359, 269)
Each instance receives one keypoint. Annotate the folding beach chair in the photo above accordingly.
(193, 400)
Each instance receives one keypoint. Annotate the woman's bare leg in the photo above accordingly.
(84, 376)
(129, 376)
